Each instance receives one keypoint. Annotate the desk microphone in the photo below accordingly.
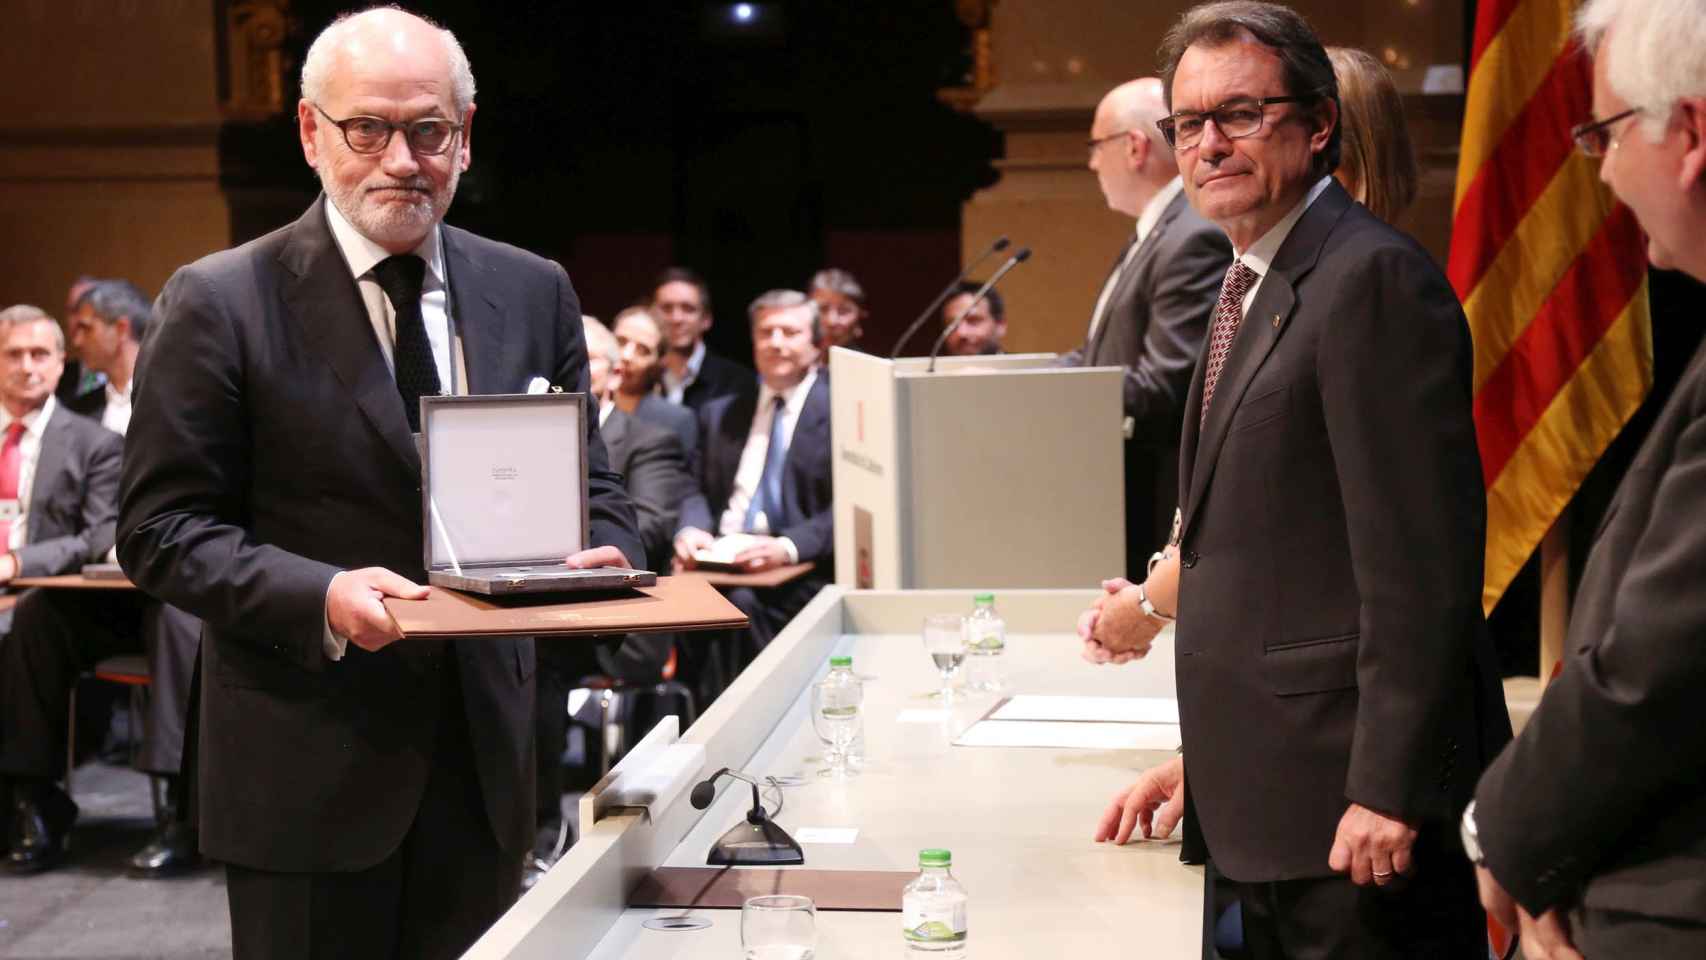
(999, 245)
(982, 291)
(757, 841)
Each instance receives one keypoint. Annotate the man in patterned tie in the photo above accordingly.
(1337, 694)
(370, 795)
(764, 468)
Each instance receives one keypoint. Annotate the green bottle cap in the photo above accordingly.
(983, 599)
(841, 661)
(935, 858)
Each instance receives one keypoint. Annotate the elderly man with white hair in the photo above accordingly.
(370, 795)
(1589, 830)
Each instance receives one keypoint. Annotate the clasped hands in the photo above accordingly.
(765, 553)
(1115, 629)
(1546, 937)
(355, 606)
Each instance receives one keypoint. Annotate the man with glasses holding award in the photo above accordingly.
(1337, 697)
(369, 797)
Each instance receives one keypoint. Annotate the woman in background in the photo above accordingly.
(1378, 164)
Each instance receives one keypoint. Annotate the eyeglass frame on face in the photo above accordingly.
(391, 130)
(1168, 125)
(1095, 142)
(1594, 138)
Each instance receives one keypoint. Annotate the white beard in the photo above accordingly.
(392, 223)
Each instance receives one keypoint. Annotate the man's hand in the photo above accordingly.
(689, 540)
(767, 554)
(1093, 650)
(1373, 847)
(355, 607)
(1153, 805)
(1124, 627)
(8, 568)
(597, 557)
(1544, 938)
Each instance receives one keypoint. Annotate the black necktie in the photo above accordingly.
(417, 373)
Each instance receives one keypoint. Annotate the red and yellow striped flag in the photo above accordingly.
(1552, 273)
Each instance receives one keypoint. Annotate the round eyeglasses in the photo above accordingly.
(427, 137)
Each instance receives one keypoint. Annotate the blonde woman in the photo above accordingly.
(1378, 166)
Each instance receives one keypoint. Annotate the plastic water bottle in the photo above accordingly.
(837, 714)
(856, 747)
(986, 641)
(933, 908)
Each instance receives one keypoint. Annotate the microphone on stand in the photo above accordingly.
(757, 839)
(999, 245)
(982, 291)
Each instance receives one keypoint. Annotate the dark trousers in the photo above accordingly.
(1434, 914)
(432, 897)
(56, 637)
(770, 609)
(1612, 934)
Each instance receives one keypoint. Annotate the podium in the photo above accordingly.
(993, 472)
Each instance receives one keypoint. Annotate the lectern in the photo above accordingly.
(993, 472)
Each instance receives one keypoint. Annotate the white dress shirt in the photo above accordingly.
(362, 255)
(1146, 221)
(29, 451)
(674, 387)
(116, 416)
(1260, 256)
(751, 468)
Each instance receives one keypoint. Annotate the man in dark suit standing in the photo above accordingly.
(1594, 818)
(765, 471)
(370, 796)
(58, 500)
(1337, 695)
(1153, 311)
(692, 375)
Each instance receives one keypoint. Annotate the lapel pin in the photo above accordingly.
(1276, 321)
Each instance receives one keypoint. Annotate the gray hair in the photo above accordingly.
(596, 330)
(112, 300)
(318, 62)
(1655, 56)
(837, 280)
(772, 300)
(1308, 71)
(28, 313)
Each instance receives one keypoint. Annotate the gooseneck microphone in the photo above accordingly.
(758, 841)
(982, 292)
(706, 790)
(999, 245)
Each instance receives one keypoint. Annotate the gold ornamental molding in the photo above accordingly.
(256, 68)
(976, 15)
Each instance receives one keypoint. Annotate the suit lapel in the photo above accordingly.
(733, 429)
(1122, 285)
(614, 431)
(1267, 320)
(322, 298)
(50, 462)
(477, 315)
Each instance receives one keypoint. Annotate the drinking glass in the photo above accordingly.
(778, 927)
(835, 719)
(945, 642)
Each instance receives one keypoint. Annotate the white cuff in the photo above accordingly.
(330, 643)
(112, 554)
(793, 551)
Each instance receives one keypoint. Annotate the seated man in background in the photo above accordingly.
(983, 329)
(58, 505)
(765, 468)
(840, 302)
(639, 338)
(692, 375)
(649, 458)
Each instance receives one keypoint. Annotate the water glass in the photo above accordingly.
(778, 927)
(835, 720)
(945, 642)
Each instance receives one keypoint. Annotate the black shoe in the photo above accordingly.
(172, 852)
(42, 816)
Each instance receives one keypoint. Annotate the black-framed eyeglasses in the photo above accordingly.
(1594, 137)
(1241, 117)
(1095, 142)
(427, 137)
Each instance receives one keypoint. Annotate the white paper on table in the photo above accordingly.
(826, 834)
(916, 715)
(724, 549)
(1071, 734)
(1026, 706)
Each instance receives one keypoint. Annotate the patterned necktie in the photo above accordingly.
(417, 373)
(767, 499)
(11, 463)
(1228, 314)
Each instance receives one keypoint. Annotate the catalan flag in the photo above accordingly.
(1552, 274)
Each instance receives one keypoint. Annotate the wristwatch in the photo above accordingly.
(1149, 608)
(1472, 837)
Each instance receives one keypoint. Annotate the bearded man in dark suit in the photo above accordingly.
(371, 796)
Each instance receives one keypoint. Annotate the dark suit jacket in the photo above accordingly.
(682, 420)
(655, 474)
(73, 498)
(1153, 325)
(268, 451)
(1330, 645)
(1603, 796)
(718, 377)
(89, 403)
(806, 488)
